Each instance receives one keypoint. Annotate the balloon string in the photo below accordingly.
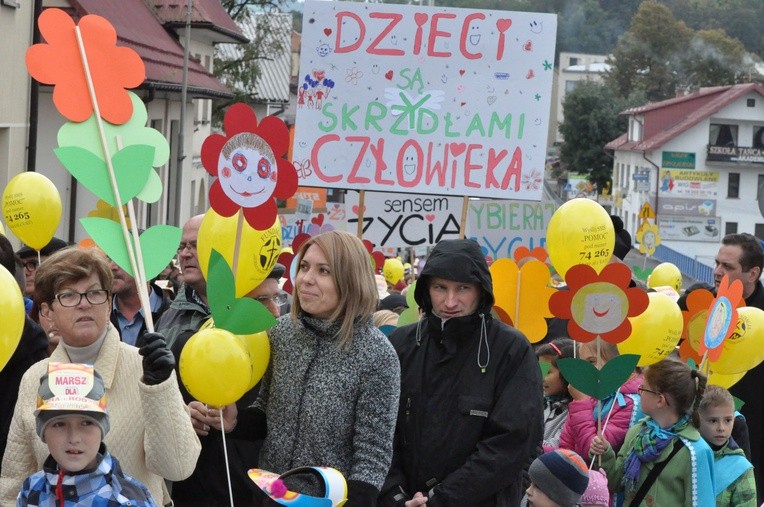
(225, 453)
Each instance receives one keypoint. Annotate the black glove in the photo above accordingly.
(158, 361)
(361, 494)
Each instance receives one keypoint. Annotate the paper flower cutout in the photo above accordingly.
(287, 260)
(722, 318)
(58, 62)
(522, 295)
(523, 252)
(698, 302)
(250, 166)
(598, 305)
(104, 210)
(648, 237)
(377, 257)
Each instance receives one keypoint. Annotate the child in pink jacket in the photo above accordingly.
(581, 425)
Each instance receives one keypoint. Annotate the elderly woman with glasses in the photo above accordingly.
(151, 429)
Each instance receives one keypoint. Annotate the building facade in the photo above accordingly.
(697, 160)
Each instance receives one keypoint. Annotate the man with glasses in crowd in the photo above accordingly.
(30, 261)
(189, 309)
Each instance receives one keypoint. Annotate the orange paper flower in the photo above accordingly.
(250, 166)
(722, 318)
(112, 68)
(599, 304)
(698, 302)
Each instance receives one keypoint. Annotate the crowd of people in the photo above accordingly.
(451, 410)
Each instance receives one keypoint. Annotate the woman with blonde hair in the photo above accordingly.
(330, 395)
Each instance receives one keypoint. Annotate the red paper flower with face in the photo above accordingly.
(598, 305)
(112, 68)
(250, 166)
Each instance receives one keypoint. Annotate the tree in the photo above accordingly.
(648, 56)
(714, 59)
(592, 120)
(241, 73)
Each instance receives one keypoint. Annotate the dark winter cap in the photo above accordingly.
(54, 246)
(71, 389)
(562, 475)
(393, 301)
(277, 272)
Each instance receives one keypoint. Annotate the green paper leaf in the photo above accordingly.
(545, 367)
(158, 244)
(598, 383)
(85, 134)
(131, 168)
(410, 301)
(152, 191)
(738, 403)
(238, 315)
(640, 273)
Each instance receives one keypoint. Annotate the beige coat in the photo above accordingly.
(151, 433)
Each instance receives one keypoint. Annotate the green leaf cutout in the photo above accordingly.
(738, 403)
(132, 168)
(238, 315)
(85, 134)
(598, 383)
(640, 273)
(545, 367)
(158, 244)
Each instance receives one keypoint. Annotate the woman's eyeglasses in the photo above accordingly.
(94, 297)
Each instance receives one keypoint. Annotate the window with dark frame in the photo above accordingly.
(722, 134)
(758, 136)
(733, 186)
(758, 231)
(730, 228)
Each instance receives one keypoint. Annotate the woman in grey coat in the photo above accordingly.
(330, 395)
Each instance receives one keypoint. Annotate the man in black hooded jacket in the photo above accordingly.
(470, 413)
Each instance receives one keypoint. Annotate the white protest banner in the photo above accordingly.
(500, 227)
(405, 220)
(427, 100)
(292, 224)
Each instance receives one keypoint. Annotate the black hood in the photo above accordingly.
(460, 260)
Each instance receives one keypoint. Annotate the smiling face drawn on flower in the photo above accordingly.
(599, 307)
(247, 170)
(649, 239)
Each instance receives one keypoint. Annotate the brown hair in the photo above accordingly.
(716, 396)
(67, 266)
(356, 288)
(677, 381)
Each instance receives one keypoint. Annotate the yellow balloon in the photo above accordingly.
(215, 368)
(258, 250)
(655, 332)
(665, 274)
(393, 271)
(722, 380)
(743, 350)
(580, 232)
(32, 208)
(259, 347)
(12, 311)
(2, 230)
